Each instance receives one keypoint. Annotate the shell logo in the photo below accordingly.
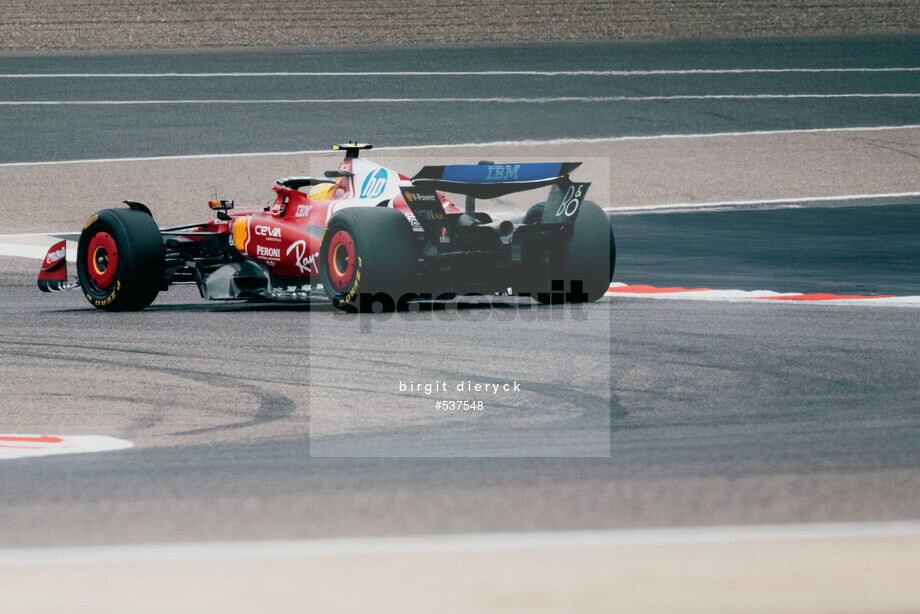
(55, 256)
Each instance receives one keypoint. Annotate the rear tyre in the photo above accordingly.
(583, 268)
(534, 214)
(367, 259)
(120, 260)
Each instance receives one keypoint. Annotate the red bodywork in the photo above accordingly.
(286, 236)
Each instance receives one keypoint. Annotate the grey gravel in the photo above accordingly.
(170, 24)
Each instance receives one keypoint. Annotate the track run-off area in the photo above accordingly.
(767, 424)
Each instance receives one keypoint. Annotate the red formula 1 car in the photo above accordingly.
(373, 239)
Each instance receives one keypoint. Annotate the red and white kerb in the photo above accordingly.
(22, 446)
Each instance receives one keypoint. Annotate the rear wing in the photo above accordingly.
(493, 180)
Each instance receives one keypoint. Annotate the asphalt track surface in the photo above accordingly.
(247, 419)
(532, 108)
(811, 248)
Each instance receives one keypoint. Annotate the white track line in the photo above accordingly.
(479, 542)
(458, 73)
(521, 143)
(496, 100)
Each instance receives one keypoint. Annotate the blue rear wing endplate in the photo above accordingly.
(493, 180)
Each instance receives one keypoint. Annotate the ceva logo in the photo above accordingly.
(374, 184)
(268, 231)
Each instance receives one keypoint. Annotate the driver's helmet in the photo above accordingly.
(321, 191)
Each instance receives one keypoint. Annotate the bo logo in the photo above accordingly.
(570, 201)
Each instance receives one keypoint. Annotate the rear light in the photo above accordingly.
(241, 233)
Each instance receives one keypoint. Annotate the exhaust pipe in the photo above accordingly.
(503, 228)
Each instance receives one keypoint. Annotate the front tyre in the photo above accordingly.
(120, 260)
(367, 259)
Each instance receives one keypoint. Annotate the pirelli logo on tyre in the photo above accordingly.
(91, 221)
(354, 288)
(108, 299)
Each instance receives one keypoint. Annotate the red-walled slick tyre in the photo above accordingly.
(364, 252)
(120, 260)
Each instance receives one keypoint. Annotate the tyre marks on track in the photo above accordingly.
(219, 396)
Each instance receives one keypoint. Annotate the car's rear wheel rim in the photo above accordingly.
(341, 260)
(102, 260)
